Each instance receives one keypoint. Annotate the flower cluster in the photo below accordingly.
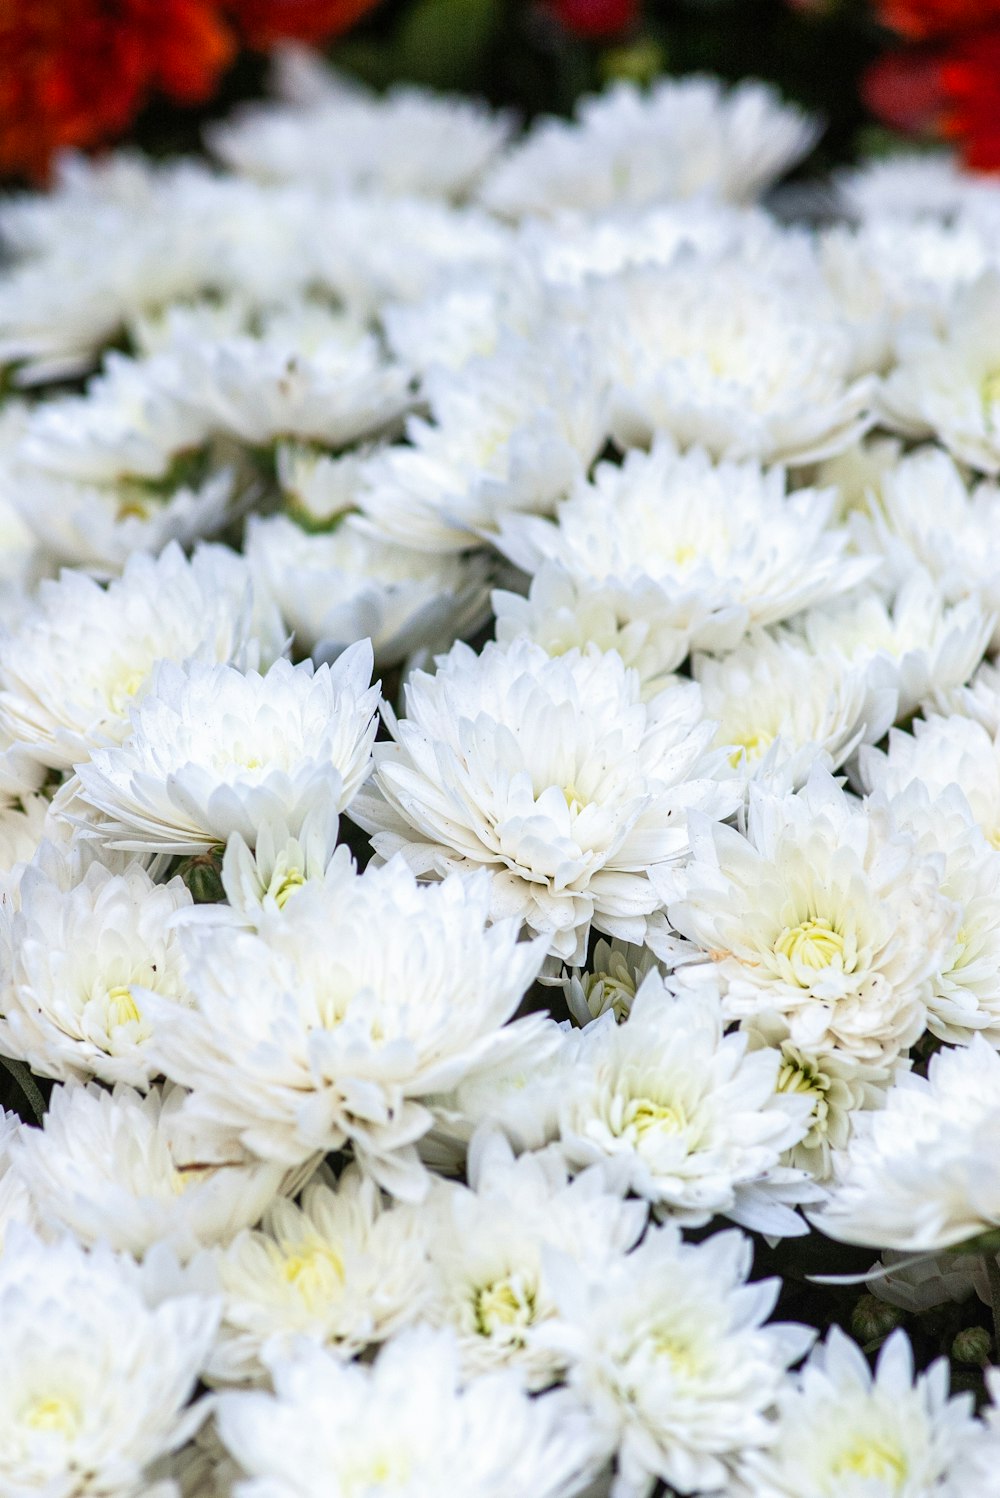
(499, 809)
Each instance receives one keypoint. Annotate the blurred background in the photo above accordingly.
(88, 73)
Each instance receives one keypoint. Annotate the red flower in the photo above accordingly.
(265, 22)
(905, 90)
(596, 20)
(75, 72)
(970, 75)
(924, 18)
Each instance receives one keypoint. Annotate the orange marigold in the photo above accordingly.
(922, 18)
(75, 72)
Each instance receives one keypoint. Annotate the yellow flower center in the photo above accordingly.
(122, 1008)
(315, 1271)
(503, 1303)
(54, 1412)
(122, 690)
(678, 1352)
(291, 880)
(753, 744)
(574, 800)
(872, 1459)
(643, 1116)
(991, 389)
(813, 945)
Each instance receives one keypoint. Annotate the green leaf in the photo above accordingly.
(26, 1085)
(445, 43)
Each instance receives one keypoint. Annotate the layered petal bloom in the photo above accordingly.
(364, 996)
(97, 1383)
(840, 1429)
(555, 776)
(921, 1173)
(214, 751)
(692, 1120)
(826, 912)
(408, 1425)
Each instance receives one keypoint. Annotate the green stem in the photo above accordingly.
(24, 1079)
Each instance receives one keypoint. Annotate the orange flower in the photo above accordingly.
(265, 22)
(922, 18)
(75, 72)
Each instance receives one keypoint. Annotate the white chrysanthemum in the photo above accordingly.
(24, 826)
(496, 1250)
(215, 751)
(96, 1385)
(947, 384)
(914, 644)
(979, 699)
(826, 912)
(746, 361)
(407, 141)
(78, 661)
(888, 269)
(78, 957)
(965, 992)
(112, 1167)
(923, 515)
(842, 1432)
(262, 879)
(405, 1428)
(318, 488)
(366, 995)
(922, 1172)
(909, 185)
(345, 585)
(610, 981)
(343, 1270)
(942, 752)
(554, 775)
(836, 1085)
(693, 1120)
(682, 138)
(783, 708)
(704, 550)
(669, 1349)
(513, 431)
(305, 371)
(649, 630)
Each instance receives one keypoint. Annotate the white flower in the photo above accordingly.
(362, 997)
(214, 751)
(914, 645)
(408, 140)
(911, 184)
(826, 913)
(692, 550)
(83, 655)
(263, 879)
(512, 431)
(835, 1083)
(947, 384)
(682, 138)
(942, 752)
(692, 1118)
(491, 1247)
(842, 1432)
(979, 699)
(344, 585)
(79, 957)
(405, 1428)
(553, 774)
(609, 983)
(783, 708)
(669, 1350)
(305, 372)
(111, 1167)
(96, 1384)
(965, 992)
(343, 1270)
(23, 828)
(746, 361)
(651, 632)
(921, 1173)
(923, 516)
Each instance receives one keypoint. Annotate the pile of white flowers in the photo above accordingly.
(499, 803)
